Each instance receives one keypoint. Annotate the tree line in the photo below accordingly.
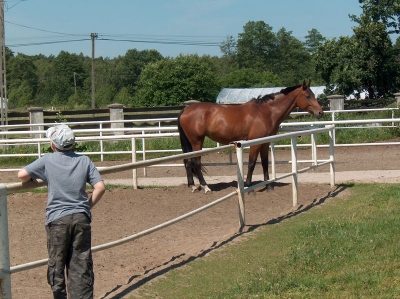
(367, 61)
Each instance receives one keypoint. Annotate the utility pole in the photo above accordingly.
(3, 89)
(75, 81)
(93, 36)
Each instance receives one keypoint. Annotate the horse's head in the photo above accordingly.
(306, 101)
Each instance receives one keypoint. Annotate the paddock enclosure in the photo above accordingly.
(121, 270)
(124, 211)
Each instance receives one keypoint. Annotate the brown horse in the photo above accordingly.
(257, 118)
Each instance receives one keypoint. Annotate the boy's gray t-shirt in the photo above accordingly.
(66, 175)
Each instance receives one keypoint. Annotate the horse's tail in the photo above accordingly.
(185, 143)
(191, 164)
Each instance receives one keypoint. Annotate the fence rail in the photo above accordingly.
(102, 132)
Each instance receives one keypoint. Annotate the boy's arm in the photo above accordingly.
(23, 175)
(98, 190)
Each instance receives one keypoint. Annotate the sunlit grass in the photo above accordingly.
(346, 248)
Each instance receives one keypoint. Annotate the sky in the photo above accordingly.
(172, 27)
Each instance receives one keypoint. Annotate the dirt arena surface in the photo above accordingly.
(121, 270)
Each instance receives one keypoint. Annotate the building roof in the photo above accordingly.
(243, 95)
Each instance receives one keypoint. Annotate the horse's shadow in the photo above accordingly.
(225, 185)
(159, 270)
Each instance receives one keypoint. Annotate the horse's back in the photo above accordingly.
(221, 123)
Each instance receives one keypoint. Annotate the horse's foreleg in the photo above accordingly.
(254, 150)
(264, 163)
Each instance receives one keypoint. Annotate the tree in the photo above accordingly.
(376, 59)
(292, 61)
(367, 61)
(337, 65)
(246, 78)
(313, 40)
(386, 12)
(229, 47)
(22, 81)
(256, 46)
(281, 54)
(129, 68)
(170, 82)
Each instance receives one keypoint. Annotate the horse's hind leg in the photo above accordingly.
(189, 173)
(199, 175)
(264, 163)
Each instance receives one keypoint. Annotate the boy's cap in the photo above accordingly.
(62, 137)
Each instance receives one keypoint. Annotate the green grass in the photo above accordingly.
(344, 248)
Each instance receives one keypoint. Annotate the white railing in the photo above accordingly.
(102, 135)
(6, 270)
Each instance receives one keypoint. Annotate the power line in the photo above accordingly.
(165, 42)
(42, 30)
(47, 43)
(9, 7)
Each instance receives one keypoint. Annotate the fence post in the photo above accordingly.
(397, 97)
(134, 171)
(273, 169)
(36, 117)
(241, 204)
(116, 113)
(336, 102)
(332, 156)
(5, 274)
(294, 170)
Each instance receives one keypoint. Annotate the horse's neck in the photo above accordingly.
(282, 105)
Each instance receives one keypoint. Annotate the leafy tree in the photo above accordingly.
(256, 46)
(65, 65)
(367, 61)
(130, 66)
(313, 40)
(386, 12)
(9, 54)
(292, 61)
(282, 54)
(124, 97)
(22, 81)
(376, 59)
(170, 82)
(229, 47)
(246, 78)
(335, 62)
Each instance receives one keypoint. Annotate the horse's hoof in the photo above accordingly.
(206, 189)
(194, 189)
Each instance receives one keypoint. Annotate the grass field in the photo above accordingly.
(347, 247)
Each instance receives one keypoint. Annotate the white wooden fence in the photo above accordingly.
(6, 270)
(103, 135)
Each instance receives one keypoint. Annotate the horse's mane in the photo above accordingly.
(260, 99)
(289, 89)
(264, 98)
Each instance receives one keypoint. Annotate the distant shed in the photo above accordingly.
(243, 95)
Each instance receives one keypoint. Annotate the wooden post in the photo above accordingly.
(336, 102)
(117, 113)
(36, 117)
(5, 274)
(397, 97)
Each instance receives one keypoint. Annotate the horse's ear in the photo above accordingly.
(306, 85)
